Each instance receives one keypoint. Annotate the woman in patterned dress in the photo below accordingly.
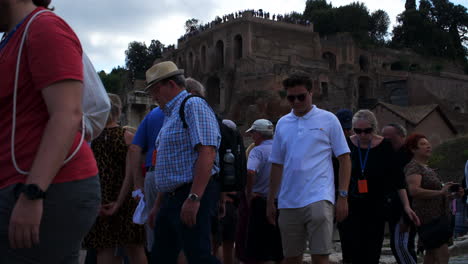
(430, 199)
(114, 227)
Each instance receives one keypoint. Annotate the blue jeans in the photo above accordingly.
(171, 235)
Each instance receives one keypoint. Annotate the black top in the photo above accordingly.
(383, 173)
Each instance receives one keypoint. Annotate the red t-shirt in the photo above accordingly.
(52, 53)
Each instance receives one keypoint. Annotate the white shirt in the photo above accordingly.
(304, 146)
(258, 162)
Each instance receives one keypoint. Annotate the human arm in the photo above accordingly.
(417, 192)
(154, 210)
(113, 207)
(65, 116)
(134, 159)
(202, 175)
(407, 207)
(276, 176)
(343, 185)
(249, 185)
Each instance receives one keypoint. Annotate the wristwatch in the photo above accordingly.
(343, 194)
(33, 192)
(194, 197)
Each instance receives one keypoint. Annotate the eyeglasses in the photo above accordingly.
(359, 131)
(300, 97)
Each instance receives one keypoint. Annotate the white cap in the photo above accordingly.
(261, 125)
(230, 124)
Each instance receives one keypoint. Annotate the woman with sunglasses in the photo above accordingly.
(375, 176)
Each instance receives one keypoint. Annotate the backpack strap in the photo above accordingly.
(182, 109)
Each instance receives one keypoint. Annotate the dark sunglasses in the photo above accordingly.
(300, 97)
(365, 130)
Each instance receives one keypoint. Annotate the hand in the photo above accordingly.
(446, 188)
(153, 214)
(271, 212)
(341, 210)
(221, 209)
(404, 227)
(248, 198)
(25, 221)
(189, 211)
(412, 216)
(110, 208)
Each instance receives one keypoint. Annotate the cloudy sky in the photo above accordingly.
(105, 27)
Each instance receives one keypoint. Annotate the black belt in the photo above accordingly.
(150, 168)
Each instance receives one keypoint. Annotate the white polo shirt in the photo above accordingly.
(304, 146)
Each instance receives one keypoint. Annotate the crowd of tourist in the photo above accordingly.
(203, 198)
(287, 18)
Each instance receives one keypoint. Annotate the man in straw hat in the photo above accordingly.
(186, 159)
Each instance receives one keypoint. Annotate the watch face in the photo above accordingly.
(193, 197)
(33, 192)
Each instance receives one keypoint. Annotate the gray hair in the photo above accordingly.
(368, 116)
(399, 128)
(266, 134)
(195, 87)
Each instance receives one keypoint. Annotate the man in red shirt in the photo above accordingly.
(46, 212)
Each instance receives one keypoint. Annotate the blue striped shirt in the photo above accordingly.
(176, 154)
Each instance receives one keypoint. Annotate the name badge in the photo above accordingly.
(362, 186)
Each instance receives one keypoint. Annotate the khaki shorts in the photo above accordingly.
(313, 222)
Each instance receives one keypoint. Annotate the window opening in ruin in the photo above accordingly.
(220, 54)
(190, 59)
(363, 63)
(180, 63)
(203, 57)
(214, 91)
(331, 59)
(458, 109)
(324, 89)
(364, 87)
(238, 47)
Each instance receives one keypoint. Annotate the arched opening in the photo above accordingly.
(363, 63)
(203, 58)
(214, 91)
(331, 60)
(365, 92)
(458, 109)
(238, 47)
(190, 61)
(399, 96)
(180, 65)
(324, 90)
(220, 54)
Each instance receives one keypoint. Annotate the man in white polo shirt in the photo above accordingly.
(301, 158)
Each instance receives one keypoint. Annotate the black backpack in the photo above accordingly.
(230, 139)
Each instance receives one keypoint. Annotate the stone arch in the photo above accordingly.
(213, 89)
(203, 57)
(238, 47)
(365, 92)
(219, 54)
(190, 61)
(365, 88)
(458, 109)
(331, 59)
(363, 63)
(180, 62)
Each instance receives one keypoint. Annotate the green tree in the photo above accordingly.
(436, 28)
(191, 25)
(378, 25)
(140, 57)
(354, 18)
(115, 81)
